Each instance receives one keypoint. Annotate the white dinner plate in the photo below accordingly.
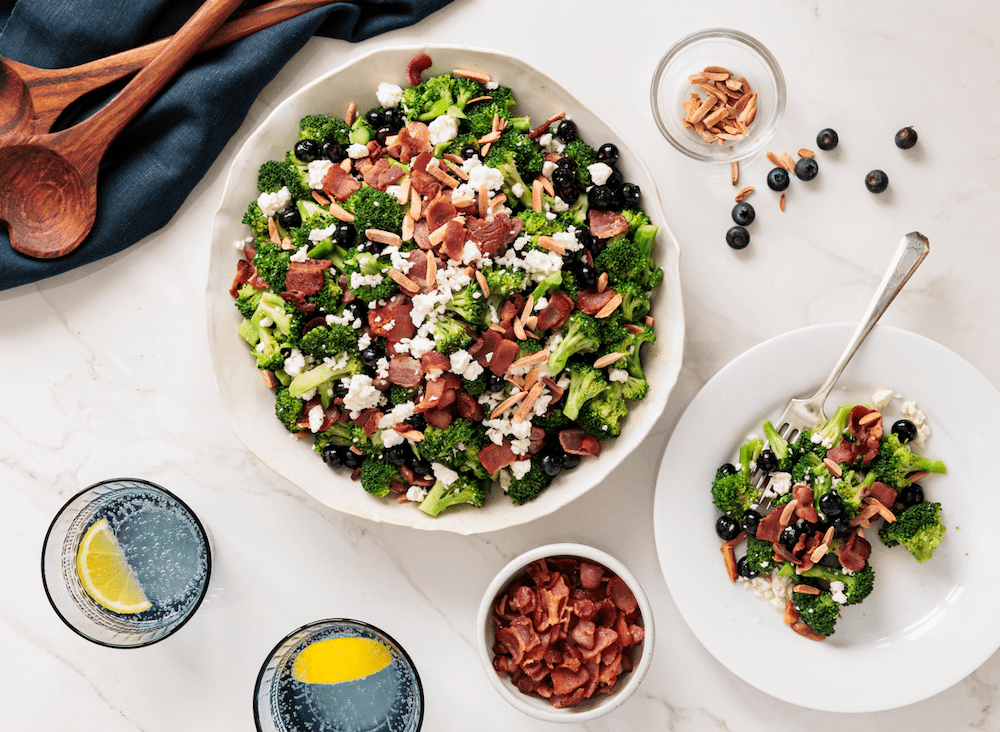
(249, 406)
(925, 626)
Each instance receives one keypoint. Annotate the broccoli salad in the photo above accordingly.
(803, 508)
(444, 297)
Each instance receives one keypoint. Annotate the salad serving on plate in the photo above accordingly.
(442, 295)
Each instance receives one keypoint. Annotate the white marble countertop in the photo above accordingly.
(106, 373)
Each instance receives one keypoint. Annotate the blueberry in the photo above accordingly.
(569, 192)
(599, 197)
(841, 525)
(767, 461)
(790, 535)
(615, 180)
(585, 238)
(911, 495)
(371, 355)
(743, 213)
(827, 139)
(738, 237)
(290, 217)
(382, 134)
(395, 118)
(905, 430)
(469, 152)
(607, 153)
(352, 460)
(567, 131)
(806, 168)
(343, 235)
(831, 505)
(586, 275)
(333, 456)
(568, 163)
(422, 467)
(369, 246)
(307, 150)
(563, 176)
(632, 195)
(375, 117)
(356, 310)
(777, 179)
(495, 383)
(727, 528)
(906, 138)
(751, 521)
(398, 454)
(339, 389)
(570, 460)
(876, 181)
(743, 569)
(332, 151)
(417, 421)
(727, 469)
(551, 464)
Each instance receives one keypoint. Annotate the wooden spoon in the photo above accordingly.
(31, 99)
(50, 197)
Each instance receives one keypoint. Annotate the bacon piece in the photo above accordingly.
(537, 440)
(769, 528)
(306, 277)
(468, 408)
(556, 312)
(503, 357)
(392, 321)
(583, 634)
(577, 442)
(439, 212)
(438, 417)
(368, 421)
(405, 371)
(339, 184)
(606, 224)
(416, 66)
(298, 299)
(603, 638)
(805, 510)
(592, 302)
(884, 494)
(384, 174)
(565, 681)
(494, 456)
(244, 272)
(422, 235)
(840, 454)
(854, 551)
(454, 240)
(621, 595)
(495, 236)
(591, 575)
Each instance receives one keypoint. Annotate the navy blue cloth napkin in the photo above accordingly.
(160, 157)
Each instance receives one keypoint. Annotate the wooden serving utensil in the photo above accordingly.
(49, 201)
(31, 99)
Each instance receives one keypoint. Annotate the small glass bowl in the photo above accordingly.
(737, 52)
(535, 706)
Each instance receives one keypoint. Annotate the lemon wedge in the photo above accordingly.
(334, 660)
(105, 574)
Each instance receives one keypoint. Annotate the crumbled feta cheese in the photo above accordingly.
(443, 473)
(923, 432)
(880, 399)
(780, 484)
(504, 479)
(540, 264)
(294, 363)
(520, 468)
(517, 189)
(317, 172)
(473, 371)
(470, 252)
(568, 240)
(391, 438)
(460, 361)
(364, 341)
(300, 256)
(416, 494)
(914, 413)
(307, 396)
(551, 143)
(397, 415)
(548, 168)
(321, 234)
(316, 416)
(389, 95)
(359, 280)
(558, 205)
(361, 395)
(837, 592)
(356, 151)
(483, 175)
(265, 322)
(420, 345)
(443, 129)
(619, 375)
(599, 173)
(772, 587)
(273, 203)
(491, 85)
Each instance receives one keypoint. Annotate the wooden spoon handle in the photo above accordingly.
(92, 136)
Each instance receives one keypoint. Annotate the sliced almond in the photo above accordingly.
(547, 185)
(407, 228)
(352, 112)
(481, 279)
(818, 553)
(734, 171)
(489, 137)
(697, 78)
(719, 114)
(457, 170)
(508, 403)
(787, 511)
(716, 70)
(882, 510)
(612, 305)
(529, 305)
(495, 127)
(734, 84)
(437, 236)
(272, 232)
(483, 200)
(919, 475)
(462, 201)
(633, 328)
(702, 110)
(518, 328)
(414, 435)
(608, 359)
(715, 92)
(833, 466)
(775, 160)
(498, 200)
(750, 113)
(403, 195)
(788, 161)
(602, 282)
(474, 75)
(806, 590)
(270, 380)
(743, 193)
(729, 557)
(383, 237)
(806, 632)
(320, 198)
(536, 196)
(648, 321)
(547, 242)
(443, 176)
(529, 401)
(287, 245)
(479, 99)
(416, 205)
(533, 359)
(432, 269)
(403, 281)
(805, 152)
(791, 614)
(781, 202)
(869, 418)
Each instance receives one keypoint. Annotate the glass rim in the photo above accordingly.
(707, 34)
(208, 565)
(330, 621)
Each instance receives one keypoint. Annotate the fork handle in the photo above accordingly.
(912, 250)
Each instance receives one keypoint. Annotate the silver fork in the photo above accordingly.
(804, 413)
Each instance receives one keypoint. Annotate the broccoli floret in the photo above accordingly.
(270, 340)
(437, 95)
(602, 416)
(338, 434)
(255, 219)
(808, 465)
(527, 154)
(583, 155)
(456, 446)
(857, 585)
(833, 430)
(476, 387)
(323, 127)
(325, 341)
(631, 345)
(376, 475)
(326, 373)
(919, 528)
(247, 299)
(632, 388)
(527, 488)
(367, 264)
(804, 445)
(895, 461)
(820, 612)
(624, 261)
(760, 555)
(375, 209)
(635, 219)
(552, 421)
(612, 332)
(288, 409)
(456, 146)
(287, 320)
(635, 303)
(327, 298)
(468, 303)
(272, 176)
(503, 281)
(402, 394)
(547, 285)
(580, 335)
(851, 488)
(512, 178)
(479, 116)
(463, 490)
(369, 445)
(450, 335)
(585, 383)
(733, 494)
(576, 214)
(297, 179)
(537, 224)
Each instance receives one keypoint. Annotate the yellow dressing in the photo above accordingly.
(334, 660)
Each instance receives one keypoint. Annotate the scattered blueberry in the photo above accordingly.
(495, 383)
(727, 469)
(307, 150)
(552, 464)
(806, 168)
(632, 195)
(841, 525)
(332, 151)
(905, 430)
(567, 131)
(370, 356)
(876, 181)
(790, 535)
(290, 217)
(744, 570)
(566, 162)
(375, 117)
(607, 153)
(831, 504)
(418, 421)
(333, 456)
(356, 310)
(586, 275)
(570, 460)
(738, 237)
(395, 118)
(767, 461)
(615, 180)
(727, 528)
(911, 495)
(599, 197)
(743, 214)
(906, 138)
(751, 521)
(469, 152)
(352, 460)
(777, 179)
(827, 139)
(398, 454)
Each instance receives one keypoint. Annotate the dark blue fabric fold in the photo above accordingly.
(160, 157)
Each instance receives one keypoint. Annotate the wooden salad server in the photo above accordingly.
(31, 99)
(49, 199)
